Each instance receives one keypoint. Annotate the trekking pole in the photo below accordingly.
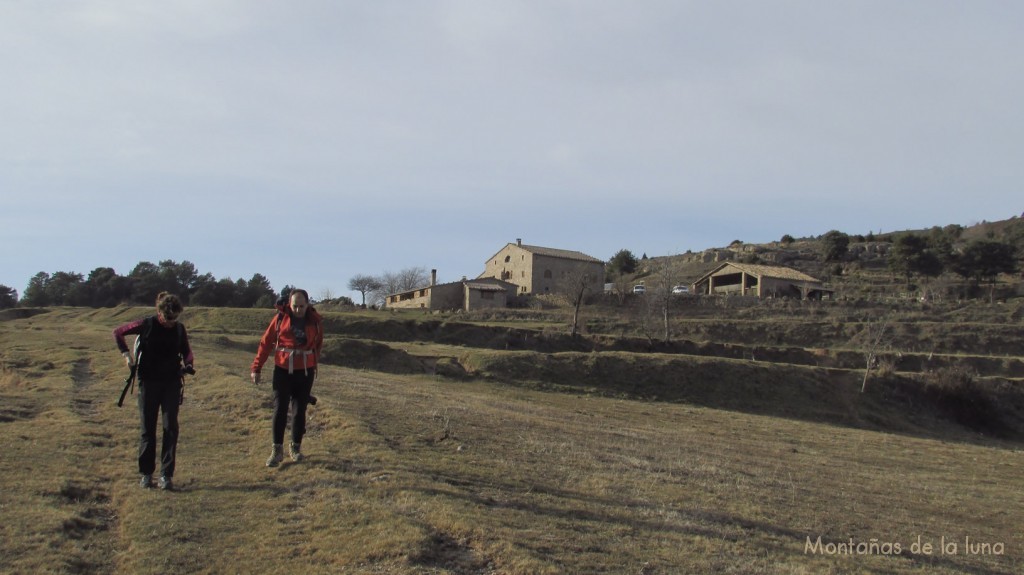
(312, 398)
(129, 382)
(185, 370)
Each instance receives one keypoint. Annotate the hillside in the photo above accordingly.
(422, 458)
(864, 270)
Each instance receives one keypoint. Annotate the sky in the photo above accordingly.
(317, 140)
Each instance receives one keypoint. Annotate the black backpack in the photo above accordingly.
(137, 349)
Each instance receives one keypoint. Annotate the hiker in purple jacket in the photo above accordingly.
(163, 356)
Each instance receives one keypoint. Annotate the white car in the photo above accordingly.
(681, 290)
(639, 289)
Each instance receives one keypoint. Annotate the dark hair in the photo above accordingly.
(301, 292)
(168, 305)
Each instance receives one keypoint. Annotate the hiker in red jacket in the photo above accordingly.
(164, 356)
(295, 337)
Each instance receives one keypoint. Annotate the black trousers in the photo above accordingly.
(291, 390)
(155, 396)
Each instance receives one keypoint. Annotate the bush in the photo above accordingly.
(957, 392)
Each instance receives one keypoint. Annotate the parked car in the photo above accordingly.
(681, 290)
(639, 289)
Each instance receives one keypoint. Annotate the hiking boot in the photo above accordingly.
(166, 484)
(146, 481)
(276, 456)
(295, 450)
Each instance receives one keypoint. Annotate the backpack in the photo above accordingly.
(282, 309)
(137, 348)
(147, 330)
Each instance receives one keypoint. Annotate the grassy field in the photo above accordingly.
(411, 473)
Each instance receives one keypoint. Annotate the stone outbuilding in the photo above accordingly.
(732, 278)
(463, 294)
(539, 271)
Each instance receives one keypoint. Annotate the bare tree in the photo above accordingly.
(574, 287)
(412, 278)
(364, 284)
(623, 286)
(398, 282)
(666, 273)
(875, 339)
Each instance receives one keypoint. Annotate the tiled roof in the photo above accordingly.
(564, 254)
(765, 272)
(484, 287)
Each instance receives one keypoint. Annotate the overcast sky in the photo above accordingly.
(312, 141)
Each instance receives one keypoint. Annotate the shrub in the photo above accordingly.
(956, 391)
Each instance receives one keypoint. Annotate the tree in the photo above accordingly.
(398, 282)
(214, 293)
(106, 289)
(179, 279)
(666, 273)
(911, 255)
(8, 297)
(985, 260)
(622, 263)
(68, 288)
(146, 283)
(364, 284)
(412, 278)
(35, 293)
(257, 293)
(875, 340)
(207, 292)
(835, 245)
(574, 287)
(942, 242)
(787, 240)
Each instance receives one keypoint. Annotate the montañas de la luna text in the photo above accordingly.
(875, 546)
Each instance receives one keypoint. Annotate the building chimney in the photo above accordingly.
(519, 242)
(433, 277)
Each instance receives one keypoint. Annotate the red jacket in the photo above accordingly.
(279, 340)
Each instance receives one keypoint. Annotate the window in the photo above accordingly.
(486, 295)
(508, 259)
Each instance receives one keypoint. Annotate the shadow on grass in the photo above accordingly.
(573, 506)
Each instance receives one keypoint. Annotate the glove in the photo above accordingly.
(188, 369)
(255, 377)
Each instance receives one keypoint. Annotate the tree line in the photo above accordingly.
(941, 250)
(910, 255)
(104, 287)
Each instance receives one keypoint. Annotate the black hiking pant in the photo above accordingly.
(155, 396)
(291, 390)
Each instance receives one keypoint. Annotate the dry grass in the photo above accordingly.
(419, 474)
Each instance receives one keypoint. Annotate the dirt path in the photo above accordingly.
(85, 491)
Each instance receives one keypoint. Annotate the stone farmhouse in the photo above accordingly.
(538, 271)
(516, 270)
(464, 294)
(732, 278)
